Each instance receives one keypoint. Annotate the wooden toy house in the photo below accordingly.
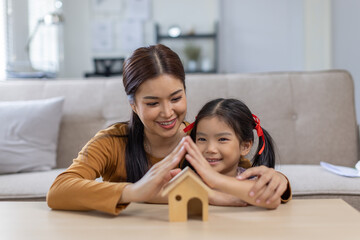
(187, 196)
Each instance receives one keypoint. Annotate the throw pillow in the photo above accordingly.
(28, 134)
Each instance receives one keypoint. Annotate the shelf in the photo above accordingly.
(200, 72)
(190, 36)
(200, 36)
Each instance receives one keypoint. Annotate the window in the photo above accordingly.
(44, 52)
(29, 38)
(3, 46)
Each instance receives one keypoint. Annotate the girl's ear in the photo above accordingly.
(245, 147)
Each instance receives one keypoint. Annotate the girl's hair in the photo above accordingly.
(144, 64)
(239, 117)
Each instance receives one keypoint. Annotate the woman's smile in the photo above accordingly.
(167, 124)
(161, 106)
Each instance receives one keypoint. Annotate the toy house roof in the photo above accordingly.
(186, 172)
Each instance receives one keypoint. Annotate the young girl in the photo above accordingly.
(223, 132)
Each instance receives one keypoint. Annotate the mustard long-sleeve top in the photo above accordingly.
(103, 155)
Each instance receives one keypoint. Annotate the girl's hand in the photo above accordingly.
(151, 184)
(210, 176)
(274, 182)
(227, 185)
(201, 165)
(223, 199)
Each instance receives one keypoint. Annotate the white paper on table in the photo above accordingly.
(102, 35)
(131, 33)
(138, 9)
(340, 170)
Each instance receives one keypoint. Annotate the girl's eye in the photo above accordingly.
(176, 99)
(200, 139)
(223, 139)
(152, 104)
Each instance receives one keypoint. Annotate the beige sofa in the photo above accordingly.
(311, 116)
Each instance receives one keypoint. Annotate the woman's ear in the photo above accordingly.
(133, 107)
(245, 147)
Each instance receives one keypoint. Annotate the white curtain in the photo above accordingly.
(3, 45)
(44, 51)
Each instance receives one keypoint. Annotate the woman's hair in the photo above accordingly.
(144, 64)
(239, 117)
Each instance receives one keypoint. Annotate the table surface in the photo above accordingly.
(298, 219)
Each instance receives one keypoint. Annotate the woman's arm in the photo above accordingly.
(76, 188)
(226, 184)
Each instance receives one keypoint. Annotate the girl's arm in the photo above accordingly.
(221, 182)
(223, 199)
(240, 189)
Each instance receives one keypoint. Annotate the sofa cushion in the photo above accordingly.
(27, 185)
(315, 180)
(29, 134)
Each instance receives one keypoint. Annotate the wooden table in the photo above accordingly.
(298, 219)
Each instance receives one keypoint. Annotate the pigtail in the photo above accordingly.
(267, 156)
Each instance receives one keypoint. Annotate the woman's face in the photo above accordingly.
(219, 144)
(160, 103)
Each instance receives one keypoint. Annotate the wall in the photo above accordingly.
(77, 44)
(317, 31)
(261, 35)
(346, 38)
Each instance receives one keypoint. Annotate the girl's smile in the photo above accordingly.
(213, 161)
(219, 145)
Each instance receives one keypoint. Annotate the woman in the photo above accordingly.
(136, 158)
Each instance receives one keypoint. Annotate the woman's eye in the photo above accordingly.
(176, 99)
(152, 104)
(200, 139)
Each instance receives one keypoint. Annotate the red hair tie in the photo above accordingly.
(259, 131)
(189, 127)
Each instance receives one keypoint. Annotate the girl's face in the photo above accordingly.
(220, 145)
(160, 103)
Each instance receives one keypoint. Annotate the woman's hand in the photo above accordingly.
(275, 183)
(159, 198)
(151, 184)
